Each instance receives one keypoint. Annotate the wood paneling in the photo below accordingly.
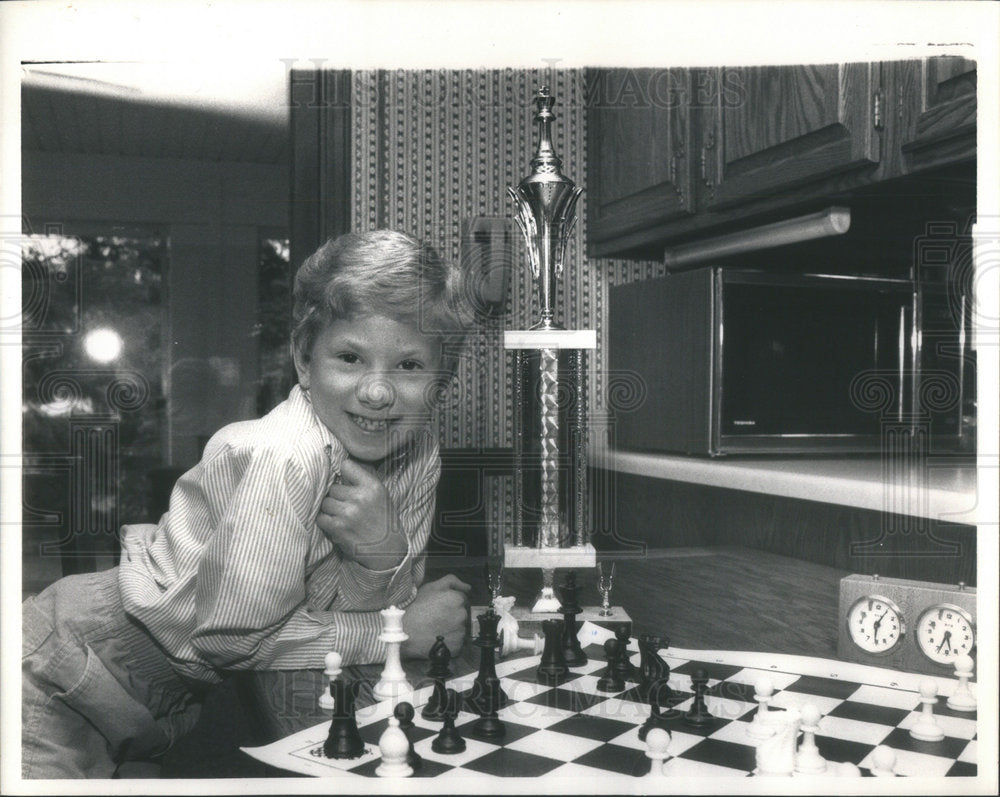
(321, 159)
(664, 514)
(723, 598)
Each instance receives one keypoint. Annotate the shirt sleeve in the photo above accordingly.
(354, 635)
(250, 595)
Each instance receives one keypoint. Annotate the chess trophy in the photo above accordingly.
(550, 524)
(604, 587)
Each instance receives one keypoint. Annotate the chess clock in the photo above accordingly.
(908, 625)
(875, 624)
(944, 632)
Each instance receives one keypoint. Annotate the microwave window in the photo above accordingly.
(790, 354)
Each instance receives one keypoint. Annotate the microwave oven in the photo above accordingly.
(723, 360)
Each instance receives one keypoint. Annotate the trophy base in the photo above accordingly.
(577, 557)
(530, 622)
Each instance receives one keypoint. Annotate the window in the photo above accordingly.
(273, 329)
(93, 402)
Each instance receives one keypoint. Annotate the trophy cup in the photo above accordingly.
(551, 527)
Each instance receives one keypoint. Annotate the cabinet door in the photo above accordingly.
(936, 103)
(773, 128)
(638, 141)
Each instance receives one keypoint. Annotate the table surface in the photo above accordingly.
(723, 598)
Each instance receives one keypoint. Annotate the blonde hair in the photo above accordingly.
(382, 272)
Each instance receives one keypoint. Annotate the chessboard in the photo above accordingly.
(573, 731)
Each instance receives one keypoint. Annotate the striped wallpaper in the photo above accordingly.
(432, 148)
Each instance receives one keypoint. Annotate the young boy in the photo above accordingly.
(283, 543)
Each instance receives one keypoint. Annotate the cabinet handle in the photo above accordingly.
(878, 101)
(705, 150)
(678, 188)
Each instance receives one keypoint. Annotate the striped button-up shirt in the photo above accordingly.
(238, 576)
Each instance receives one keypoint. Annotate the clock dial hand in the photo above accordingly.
(875, 627)
(946, 640)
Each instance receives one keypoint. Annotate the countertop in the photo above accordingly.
(941, 488)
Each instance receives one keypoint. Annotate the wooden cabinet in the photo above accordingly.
(642, 150)
(935, 104)
(679, 153)
(772, 128)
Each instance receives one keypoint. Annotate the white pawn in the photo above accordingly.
(393, 747)
(332, 660)
(808, 760)
(848, 770)
(760, 727)
(884, 762)
(657, 744)
(963, 699)
(926, 728)
(393, 681)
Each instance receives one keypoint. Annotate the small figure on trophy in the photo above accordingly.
(604, 586)
(494, 577)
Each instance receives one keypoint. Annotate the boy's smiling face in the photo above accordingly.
(371, 380)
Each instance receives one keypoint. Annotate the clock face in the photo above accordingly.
(875, 624)
(945, 632)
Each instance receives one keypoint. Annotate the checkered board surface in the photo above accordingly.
(572, 730)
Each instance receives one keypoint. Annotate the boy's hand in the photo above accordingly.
(359, 518)
(440, 609)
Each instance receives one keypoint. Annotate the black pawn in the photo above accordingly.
(659, 695)
(404, 713)
(627, 669)
(572, 652)
(439, 656)
(343, 740)
(609, 682)
(448, 741)
(698, 716)
(623, 669)
(552, 667)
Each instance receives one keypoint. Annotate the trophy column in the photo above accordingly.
(551, 517)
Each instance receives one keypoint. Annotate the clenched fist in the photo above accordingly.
(359, 518)
(440, 609)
